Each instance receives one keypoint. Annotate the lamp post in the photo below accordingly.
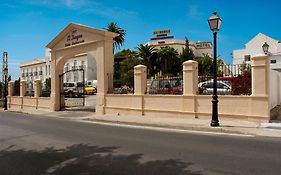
(214, 24)
(265, 48)
(5, 88)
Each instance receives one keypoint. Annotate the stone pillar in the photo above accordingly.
(11, 88)
(140, 81)
(22, 88)
(56, 70)
(37, 88)
(260, 75)
(105, 63)
(190, 77)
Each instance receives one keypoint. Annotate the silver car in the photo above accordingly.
(223, 87)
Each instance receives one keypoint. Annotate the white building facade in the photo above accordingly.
(254, 47)
(199, 48)
(41, 69)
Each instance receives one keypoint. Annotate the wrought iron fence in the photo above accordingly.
(232, 80)
(124, 85)
(17, 88)
(165, 85)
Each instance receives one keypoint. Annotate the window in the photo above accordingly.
(49, 70)
(273, 61)
(46, 70)
(82, 65)
(247, 57)
(164, 84)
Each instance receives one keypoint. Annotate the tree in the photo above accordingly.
(124, 70)
(146, 52)
(118, 40)
(205, 65)
(187, 53)
(168, 60)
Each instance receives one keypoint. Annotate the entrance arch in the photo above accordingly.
(77, 39)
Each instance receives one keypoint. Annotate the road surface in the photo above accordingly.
(34, 145)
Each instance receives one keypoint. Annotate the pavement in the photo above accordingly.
(229, 126)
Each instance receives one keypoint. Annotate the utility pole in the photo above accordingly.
(4, 77)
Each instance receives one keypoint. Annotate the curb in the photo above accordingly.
(188, 128)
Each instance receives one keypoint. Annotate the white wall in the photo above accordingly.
(274, 88)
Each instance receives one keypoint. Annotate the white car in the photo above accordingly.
(223, 87)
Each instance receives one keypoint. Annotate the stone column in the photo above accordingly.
(260, 75)
(37, 88)
(190, 77)
(140, 81)
(11, 88)
(22, 88)
(56, 70)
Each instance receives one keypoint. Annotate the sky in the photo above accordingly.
(27, 26)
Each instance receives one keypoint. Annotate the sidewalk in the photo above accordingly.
(226, 125)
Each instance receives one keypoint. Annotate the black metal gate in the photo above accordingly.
(72, 92)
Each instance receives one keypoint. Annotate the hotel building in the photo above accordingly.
(41, 69)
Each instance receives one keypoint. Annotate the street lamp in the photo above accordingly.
(5, 71)
(215, 23)
(265, 48)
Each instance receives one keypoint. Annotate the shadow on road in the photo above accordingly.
(84, 160)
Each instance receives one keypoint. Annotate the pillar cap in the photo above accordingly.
(259, 57)
(189, 62)
(139, 66)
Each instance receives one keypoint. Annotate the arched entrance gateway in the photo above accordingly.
(78, 39)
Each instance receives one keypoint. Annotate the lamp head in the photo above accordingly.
(265, 48)
(214, 22)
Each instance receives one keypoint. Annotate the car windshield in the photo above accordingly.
(177, 82)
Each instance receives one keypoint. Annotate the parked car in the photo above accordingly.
(166, 86)
(223, 87)
(92, 83)
(73, 89)
(90, 90)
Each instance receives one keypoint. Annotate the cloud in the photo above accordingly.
(194, 11)
(88, 7)
(112, 12)
(72, 4)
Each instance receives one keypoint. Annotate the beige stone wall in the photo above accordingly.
(17, 102)
(236, 107)
(190, 104)
(24, 102)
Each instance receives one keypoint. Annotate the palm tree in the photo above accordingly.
(118, 40)
(205, 65)
(168, 59)
(146, 52)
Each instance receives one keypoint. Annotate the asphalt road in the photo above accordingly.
(35, 145)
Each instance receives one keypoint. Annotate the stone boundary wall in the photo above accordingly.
(26, 102)
(255, 107)
(190, 104)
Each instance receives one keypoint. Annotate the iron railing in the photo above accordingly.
(231, 80)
